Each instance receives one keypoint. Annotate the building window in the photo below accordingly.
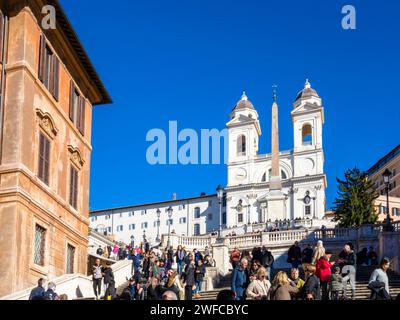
(307, 210)
(224, 201)
(306, 134)
(196, 212)
(120, 228)
(156, 223)
(382, 209)
(143, 212)
(77, 108)
(210, 216)
(240, 217)
(170, 222)
(48, 68)
(120, 214)
(396, 211)
(108, 216)
(44, 158)
(132, 226)
(70, 259)
(264, 177)
(224, 218)
(210, 203)
(197, 229)
(182, 220)
(130, 214)
(144, 225)
(241, 145)
(94, 218)
(40, 237)
(108, 229)
(73, 188)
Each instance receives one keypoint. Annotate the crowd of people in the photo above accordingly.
(324, 279)
(179, 274)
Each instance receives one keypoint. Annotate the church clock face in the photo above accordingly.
(241, 174)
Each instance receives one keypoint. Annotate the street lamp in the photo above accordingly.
(220, 194)
(169, 210)
(132, 241)
(158, 225)
(386, 178)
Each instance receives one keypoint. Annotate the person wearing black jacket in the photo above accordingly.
(188, 277)
(153, 290)
(199, 273)
(294, 255)
(108, 275)
(311, 289)
(267, 260)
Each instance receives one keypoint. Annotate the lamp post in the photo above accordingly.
(220, 194)
(132, 241)
(169, 210)
(158, 225)
(386, 178)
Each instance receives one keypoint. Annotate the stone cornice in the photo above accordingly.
(24, 198)
(285, 183)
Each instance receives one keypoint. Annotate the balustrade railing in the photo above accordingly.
(245, 240)
(276, 238)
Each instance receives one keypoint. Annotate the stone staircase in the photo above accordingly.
(362, 291)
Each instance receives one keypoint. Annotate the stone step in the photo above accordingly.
(362, 292)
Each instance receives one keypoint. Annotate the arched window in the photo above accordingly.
(306, 135)
(196, 212)
(264, 177)
(241, 145)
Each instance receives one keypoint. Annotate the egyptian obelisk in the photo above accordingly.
(276, 199)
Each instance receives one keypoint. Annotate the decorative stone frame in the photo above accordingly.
(76, 157)
(46, 123)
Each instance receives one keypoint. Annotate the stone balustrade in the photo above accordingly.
(279, 238)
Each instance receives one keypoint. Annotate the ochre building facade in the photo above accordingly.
(48, 90)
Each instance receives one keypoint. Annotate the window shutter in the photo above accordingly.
(81, 126)
(56, 71)
(71, 101)
(71, 188)
(46, 161)
(41, 156)
(1, 34)
(42, 57)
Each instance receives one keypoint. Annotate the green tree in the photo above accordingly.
(354, 205)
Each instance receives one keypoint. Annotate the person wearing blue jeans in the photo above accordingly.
(180, 256)
(239, 279)
(199, 274)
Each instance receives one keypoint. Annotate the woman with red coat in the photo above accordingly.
(323, 271)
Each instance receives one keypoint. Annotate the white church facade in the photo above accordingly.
(296, 190)
(262, 189)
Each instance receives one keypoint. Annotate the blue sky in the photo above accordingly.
(189, 60)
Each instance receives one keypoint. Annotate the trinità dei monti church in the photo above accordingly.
(264, 191)
(282, 185)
